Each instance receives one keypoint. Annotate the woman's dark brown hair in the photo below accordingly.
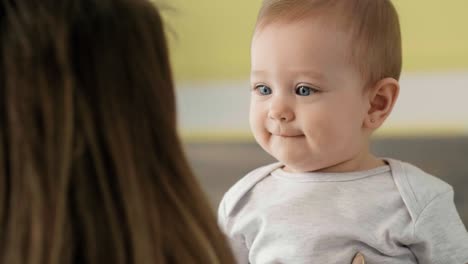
(91, 168)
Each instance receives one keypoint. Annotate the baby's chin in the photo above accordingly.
(294, 160)
(299, 165)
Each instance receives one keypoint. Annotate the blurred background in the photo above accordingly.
(210, 39)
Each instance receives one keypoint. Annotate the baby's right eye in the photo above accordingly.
(263, 89)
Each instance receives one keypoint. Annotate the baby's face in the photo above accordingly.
(307, 103)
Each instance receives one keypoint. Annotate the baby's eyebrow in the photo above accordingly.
(311, 73)
(258, 73)
(293, 73)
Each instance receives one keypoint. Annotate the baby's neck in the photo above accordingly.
(362, 163)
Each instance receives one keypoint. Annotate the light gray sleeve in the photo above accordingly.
(237, 243)
(440, 236)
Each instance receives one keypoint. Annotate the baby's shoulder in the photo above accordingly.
(417, 187)
(244, 185)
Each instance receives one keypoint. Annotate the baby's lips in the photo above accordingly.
(282, 132)
(288, 134)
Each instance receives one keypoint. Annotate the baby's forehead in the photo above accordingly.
(290, 51)
(308, 36)
(310, 28)
(306, 26)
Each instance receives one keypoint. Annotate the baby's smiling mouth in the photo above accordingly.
(284, 132)
(288, 135)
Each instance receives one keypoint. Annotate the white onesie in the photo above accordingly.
(392, 214)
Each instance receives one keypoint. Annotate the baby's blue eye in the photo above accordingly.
(304, 90)
(264, 90)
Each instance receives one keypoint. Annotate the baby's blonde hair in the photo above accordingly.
(373, 26)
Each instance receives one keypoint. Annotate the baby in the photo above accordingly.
(324, 78)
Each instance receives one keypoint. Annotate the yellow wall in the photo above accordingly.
(435, 34)
(212, 37)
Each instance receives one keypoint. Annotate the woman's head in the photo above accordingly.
(91, 169)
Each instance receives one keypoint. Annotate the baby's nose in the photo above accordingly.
(281, 111)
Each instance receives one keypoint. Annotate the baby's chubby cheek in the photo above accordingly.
(259, 132)
(264, 139)
(257, 124)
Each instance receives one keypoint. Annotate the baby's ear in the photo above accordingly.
(382, 98)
